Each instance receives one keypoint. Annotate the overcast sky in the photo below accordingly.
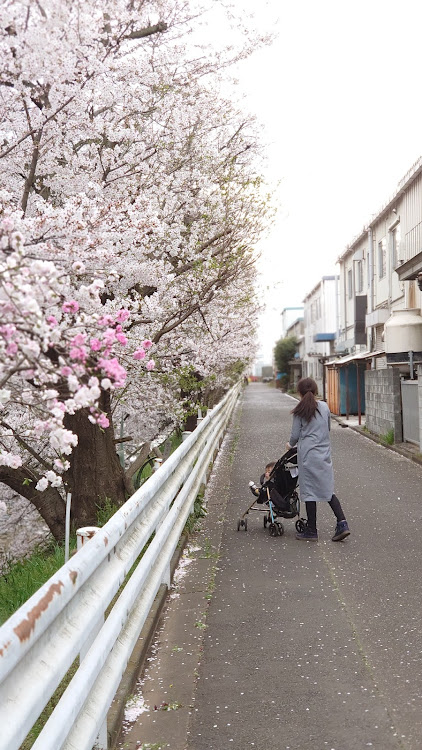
(339, 97)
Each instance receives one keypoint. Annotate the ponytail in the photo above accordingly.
(308, 404)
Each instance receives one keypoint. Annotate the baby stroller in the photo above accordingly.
(277, 498)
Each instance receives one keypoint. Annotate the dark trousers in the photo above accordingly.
(334, 503)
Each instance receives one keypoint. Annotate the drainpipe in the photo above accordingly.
(358, 391)
(337, 293)
(347, 392)
(370, 300)
(345, 293)
(406, 294)
(390, 270)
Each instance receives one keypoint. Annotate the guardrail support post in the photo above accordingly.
(83, 535)
(166, 579)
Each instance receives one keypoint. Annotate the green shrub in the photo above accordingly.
(388, 438)
(199, 511)
(23, 578)
(106, 511)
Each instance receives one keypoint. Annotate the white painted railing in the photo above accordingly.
(65, 618)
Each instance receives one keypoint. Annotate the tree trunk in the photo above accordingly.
(95, 472)
(212, 396)
(191, 421)
(49, 503)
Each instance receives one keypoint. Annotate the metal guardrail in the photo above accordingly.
(65, 618)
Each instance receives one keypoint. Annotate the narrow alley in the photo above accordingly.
(305, 646)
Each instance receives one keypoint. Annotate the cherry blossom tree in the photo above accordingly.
(60, 361)
(130, 212)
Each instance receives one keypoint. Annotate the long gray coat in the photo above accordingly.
(316, 476)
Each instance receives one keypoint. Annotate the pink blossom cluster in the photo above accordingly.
(50, 345)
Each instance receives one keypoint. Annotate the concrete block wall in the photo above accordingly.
(383, 402)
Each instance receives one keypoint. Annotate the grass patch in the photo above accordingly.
(173, 706)
(21, 579)
(208, 551)
(388, 437)
(106, 511)
(199, 512)
(175, 440)
(143, 474)
(43, 565)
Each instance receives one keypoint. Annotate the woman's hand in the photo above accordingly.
(288, 446)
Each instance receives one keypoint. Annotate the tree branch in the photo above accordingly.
(31, 174)
(137, 464)
(49, 502)
(27, 447)
(147, 31)
(187, 266)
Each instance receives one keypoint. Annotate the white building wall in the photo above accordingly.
(329, 305)
(410, 212)
(403, 211)
(320, 316)
(297, 329)
(288, 316)
(353, 271)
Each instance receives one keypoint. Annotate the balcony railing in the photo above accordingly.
(412, 244)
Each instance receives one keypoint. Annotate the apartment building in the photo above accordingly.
(380, 287)
(296, 330)
(379, 270)
(321, 320)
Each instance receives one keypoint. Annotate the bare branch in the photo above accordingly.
(31, 174)
(136, 465)
(27, 447)
(34, 130)
(147, 31)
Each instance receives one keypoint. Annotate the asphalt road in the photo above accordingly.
(310, 645)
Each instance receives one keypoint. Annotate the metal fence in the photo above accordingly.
(65, 619)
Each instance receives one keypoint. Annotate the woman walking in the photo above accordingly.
(311, 433)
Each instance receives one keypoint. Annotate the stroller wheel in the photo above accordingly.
(273, 529)
(265, 522)
(239, 524)
(300, 526)
(280, 528)
(245, 524)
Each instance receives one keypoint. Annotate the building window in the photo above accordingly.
(350, 283)
(359, 276)
(382, 258)
(395, 245)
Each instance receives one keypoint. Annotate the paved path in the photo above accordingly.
(311, 646)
